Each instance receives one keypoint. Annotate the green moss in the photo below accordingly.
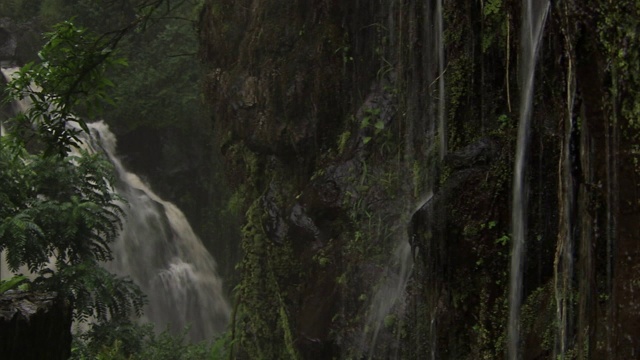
(495, 24)
(618, 30)
(268, 274)
(538, 317)
(343, 140)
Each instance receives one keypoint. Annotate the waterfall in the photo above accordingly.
(159, 250)
(534, 15)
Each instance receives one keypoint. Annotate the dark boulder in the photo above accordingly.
(34, 326)
(8, 42)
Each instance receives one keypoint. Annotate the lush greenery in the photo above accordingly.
(59, 211)
(164, 131)
(140, 342)
(160, 44)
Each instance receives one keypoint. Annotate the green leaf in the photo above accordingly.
(12, 283)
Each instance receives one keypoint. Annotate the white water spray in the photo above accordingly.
(388, 299)
(160, 251)
(390, 293)
(533, 19)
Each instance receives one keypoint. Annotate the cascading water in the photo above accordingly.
(159, 250)
(533, 20)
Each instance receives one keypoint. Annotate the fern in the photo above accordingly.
(58, 212)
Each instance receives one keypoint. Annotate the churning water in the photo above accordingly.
(160, 251)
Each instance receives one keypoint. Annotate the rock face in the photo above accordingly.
(34, 326)
(8, 42)
(328, 115)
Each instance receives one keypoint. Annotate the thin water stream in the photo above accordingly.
(534, 14)
(442, 124)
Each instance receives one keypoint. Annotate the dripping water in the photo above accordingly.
(442, 125)
(429, 120)
(388, 299)
(612, 201)
(533, 19)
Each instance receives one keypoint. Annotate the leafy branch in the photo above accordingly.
(59, 212)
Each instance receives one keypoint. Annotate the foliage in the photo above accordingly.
(165, 82)
(372, 120)
(69, 78)
(267, 274)
(59, 212)
(14, 282)
(126, 340)
(161, 43)
(495, 22)
(618, 35)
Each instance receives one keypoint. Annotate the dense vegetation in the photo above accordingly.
(331, 117)
(160, 118)
(59, 208)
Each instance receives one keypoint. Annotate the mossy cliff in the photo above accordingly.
(377, 206)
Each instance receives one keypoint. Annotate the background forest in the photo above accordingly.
(164, 135)
(160, 116)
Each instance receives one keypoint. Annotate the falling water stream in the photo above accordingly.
(387, 300)
(534, 14)
(442, 125)
(388, 297)
(159, 250)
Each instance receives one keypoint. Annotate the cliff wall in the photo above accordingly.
(376, 178)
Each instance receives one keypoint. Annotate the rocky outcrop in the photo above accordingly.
(327, 114)
(34, 326)
(8, 42)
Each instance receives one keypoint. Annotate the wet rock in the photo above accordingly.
(34, 326)
(274, 223)
(8, 42)
(303, 221)
(475, 154)
(433, 219)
